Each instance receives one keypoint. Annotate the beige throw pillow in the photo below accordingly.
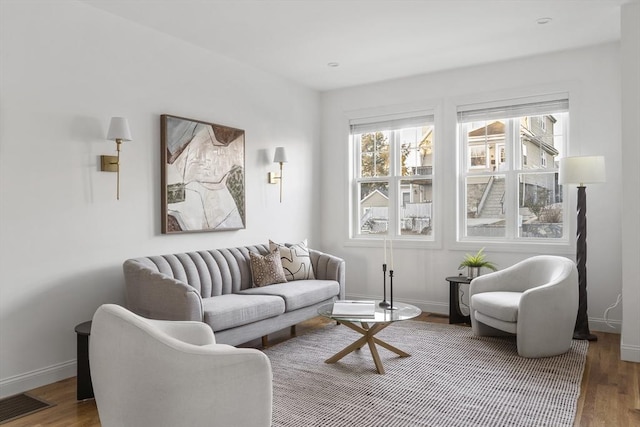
(267, 269)
(296, 261)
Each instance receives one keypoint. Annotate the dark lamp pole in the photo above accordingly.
(581, 331)
(582, 170)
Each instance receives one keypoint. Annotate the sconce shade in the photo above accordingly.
(119, 129)
(582, 170)
(280, 156)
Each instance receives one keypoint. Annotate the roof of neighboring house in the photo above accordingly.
(370, 199)
(495, 128)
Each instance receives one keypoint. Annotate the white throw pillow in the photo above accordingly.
(296, 261)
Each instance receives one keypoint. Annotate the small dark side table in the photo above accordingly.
(455, 315)
(84, 388)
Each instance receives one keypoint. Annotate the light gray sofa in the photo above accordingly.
(215, 287)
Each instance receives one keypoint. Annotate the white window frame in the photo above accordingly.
(395, 175)
(515, 151)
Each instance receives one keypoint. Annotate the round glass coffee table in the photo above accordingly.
(369, 327)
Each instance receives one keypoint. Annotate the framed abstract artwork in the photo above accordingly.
(202, 176)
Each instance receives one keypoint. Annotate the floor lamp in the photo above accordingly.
(581, 171)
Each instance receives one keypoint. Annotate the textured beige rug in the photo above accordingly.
(451, 379)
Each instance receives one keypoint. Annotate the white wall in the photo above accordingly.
(591, 76)
(66, 69)
(630, 60)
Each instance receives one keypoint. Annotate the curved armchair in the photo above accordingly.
(536, 299)
(166, 373)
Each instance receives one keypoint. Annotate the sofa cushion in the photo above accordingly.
(231, 310)
(511, 327)
(296, 261)
(266, 269)
(500, 305)
(299, 294)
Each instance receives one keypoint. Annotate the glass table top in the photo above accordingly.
(402, 312)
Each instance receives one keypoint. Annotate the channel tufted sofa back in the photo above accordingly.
(212, 273)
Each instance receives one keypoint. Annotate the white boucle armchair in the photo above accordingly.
(172, 373)
(535, 299)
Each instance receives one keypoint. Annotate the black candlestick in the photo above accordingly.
(391, 307)
(384, 303)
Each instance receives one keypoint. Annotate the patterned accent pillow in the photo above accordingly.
(296, 261)
(267, 269)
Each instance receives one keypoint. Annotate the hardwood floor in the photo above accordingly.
(609, 397)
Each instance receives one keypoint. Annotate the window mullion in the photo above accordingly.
(356, 152)
(510, 200)
(394, 162)
(464, 165)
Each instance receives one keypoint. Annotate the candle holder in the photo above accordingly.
(391, 307)
(384, 303)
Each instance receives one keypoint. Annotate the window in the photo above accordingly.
(514, 195)
(542, 122)
(393, 177)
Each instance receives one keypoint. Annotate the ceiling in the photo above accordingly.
(373, 40)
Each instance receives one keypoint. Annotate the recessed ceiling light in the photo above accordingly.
(333, 64)
(543, 21)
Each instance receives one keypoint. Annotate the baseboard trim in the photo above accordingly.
(630, 353)
(34, 379)
(602, 325)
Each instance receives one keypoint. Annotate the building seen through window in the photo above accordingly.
(393, 182)
(510, 173)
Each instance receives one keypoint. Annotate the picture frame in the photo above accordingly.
(202, 176)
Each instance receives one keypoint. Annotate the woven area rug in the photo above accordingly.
(451, 379)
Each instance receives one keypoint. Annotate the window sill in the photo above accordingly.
(365, 242)
(548, 248)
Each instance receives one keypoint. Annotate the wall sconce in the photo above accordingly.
(279, 157)
(118, 132)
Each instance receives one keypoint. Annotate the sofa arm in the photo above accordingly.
(328, 267)
(157, 296)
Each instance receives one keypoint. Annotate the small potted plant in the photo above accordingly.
(475, 262)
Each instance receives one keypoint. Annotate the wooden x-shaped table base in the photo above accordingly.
(368, 338)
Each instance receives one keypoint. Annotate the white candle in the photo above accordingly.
(385, 250)
(391, 250)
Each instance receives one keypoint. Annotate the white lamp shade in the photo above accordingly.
(582, 170)
(119, 129)
(280, 156)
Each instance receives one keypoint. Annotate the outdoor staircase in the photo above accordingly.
(493, 204)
